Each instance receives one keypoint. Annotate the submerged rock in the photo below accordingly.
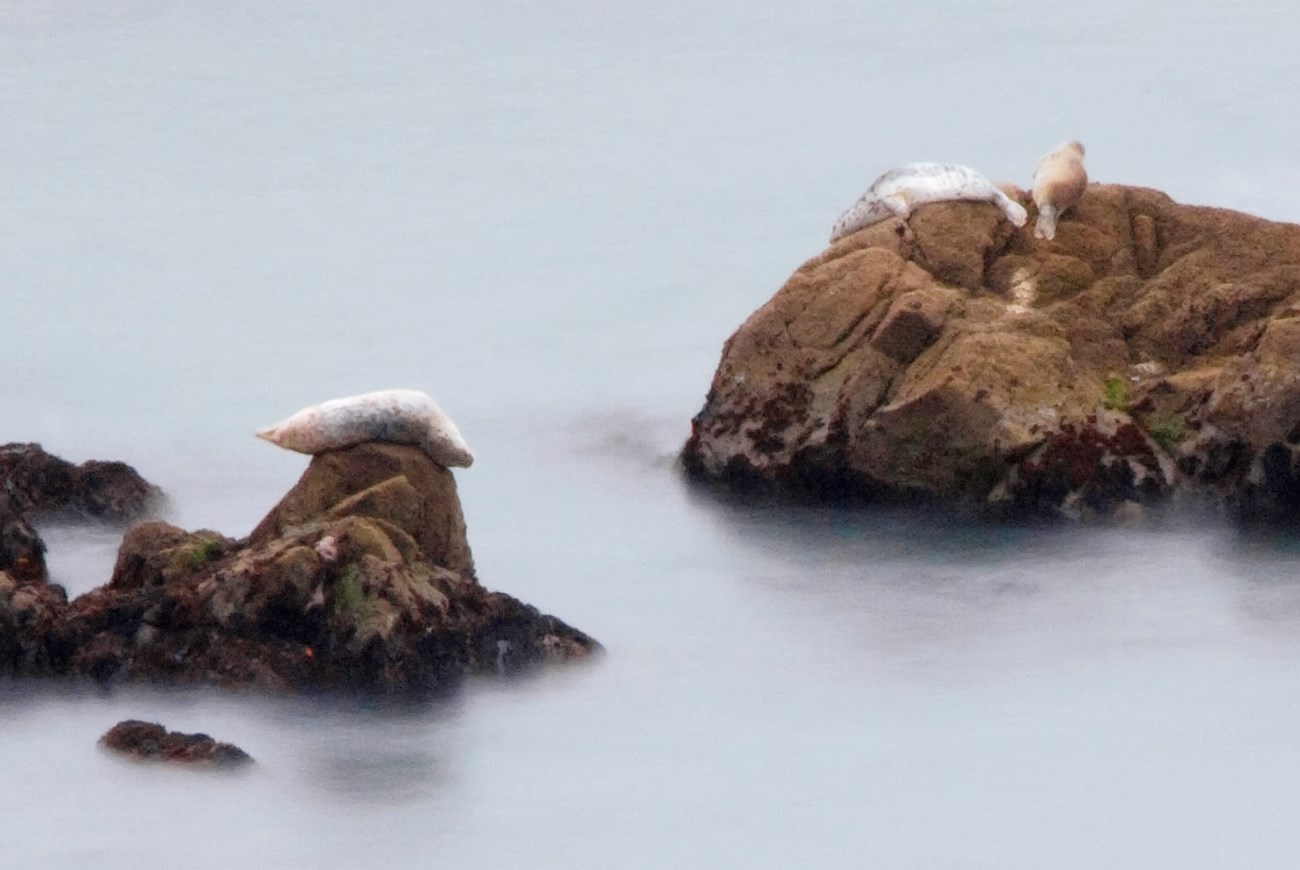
(148, 741)
(360, 577)
(1151, 349)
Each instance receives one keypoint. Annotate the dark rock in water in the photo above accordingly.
(147, 741)
(360, 577)
(22, 552)
(33, 636)
(1151, 350)
(37, 482)
(30, 612)
(29, 605)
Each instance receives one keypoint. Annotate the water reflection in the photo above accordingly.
(376, 774)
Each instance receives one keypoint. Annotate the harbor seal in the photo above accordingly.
(900, 190)
(1059, 182)
(397, 416)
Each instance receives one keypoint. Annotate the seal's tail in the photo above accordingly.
(1015, 211)
(1046, 226)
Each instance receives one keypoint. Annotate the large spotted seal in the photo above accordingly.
(399, 416)
(900, 190)
(1059, 182)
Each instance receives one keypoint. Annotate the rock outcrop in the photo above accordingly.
(22, 552)
(36, 482)
(30, 605)
(148, 741)
(1152, 349)
(361, 577)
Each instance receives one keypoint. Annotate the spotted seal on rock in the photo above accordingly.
(1059, 182)
(899, 191)
(397, 416)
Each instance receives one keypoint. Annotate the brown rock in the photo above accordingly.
(955, 241)
(37, 482)
(343, 584)
(29, 613)
(1150, 348)
(913, 321)
(382, 481)
(148, 741)
(155, 552)
(22, 552)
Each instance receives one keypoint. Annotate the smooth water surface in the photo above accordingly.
(550, 216)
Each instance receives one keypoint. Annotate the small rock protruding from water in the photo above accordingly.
(149, 741)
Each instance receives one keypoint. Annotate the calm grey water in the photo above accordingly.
(550, 216)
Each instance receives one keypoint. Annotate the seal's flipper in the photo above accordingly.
(1046, 226)
(1015, 211)
(899, 203)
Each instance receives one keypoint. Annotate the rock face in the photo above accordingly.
(360, 577)
(1151, 349)
(147, 741)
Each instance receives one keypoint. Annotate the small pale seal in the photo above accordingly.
(1059, 182)
(398, 416)
(900, 190)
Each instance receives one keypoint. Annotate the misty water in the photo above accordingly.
(550, 216)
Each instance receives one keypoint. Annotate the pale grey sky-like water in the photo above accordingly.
(550, 216)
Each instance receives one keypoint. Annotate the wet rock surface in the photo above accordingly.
(1150, 351)
(149, 741)
(361, 577)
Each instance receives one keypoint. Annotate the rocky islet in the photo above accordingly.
(1149, 353)
(360, 578)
